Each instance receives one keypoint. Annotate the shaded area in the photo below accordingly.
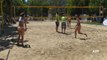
(8, 37)
(5, 44)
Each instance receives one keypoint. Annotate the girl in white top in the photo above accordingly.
(21, 30)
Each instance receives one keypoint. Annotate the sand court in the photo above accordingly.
(47, 44)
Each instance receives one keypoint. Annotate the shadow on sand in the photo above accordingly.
(84, 38)
(7, 36)
(64, 33)
(8, 39)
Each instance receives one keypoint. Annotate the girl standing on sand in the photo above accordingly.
(69, 21)
(57, 22)
(63, 23)
(21, 29)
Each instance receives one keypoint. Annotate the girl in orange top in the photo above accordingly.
(69, 21)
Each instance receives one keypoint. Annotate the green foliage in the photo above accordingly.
(94, 3)
(69, 3)
(57, 3)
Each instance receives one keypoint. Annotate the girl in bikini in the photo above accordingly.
(78, 27)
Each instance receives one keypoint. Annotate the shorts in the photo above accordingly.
(63, 25)
(57, 23)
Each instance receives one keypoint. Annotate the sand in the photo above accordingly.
(46, 44)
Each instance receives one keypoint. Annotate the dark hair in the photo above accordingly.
(22, 13)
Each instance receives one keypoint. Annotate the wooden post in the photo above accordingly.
(101, 11)
(2, 16)
(101, 14)
(42, 13)
(14, 11)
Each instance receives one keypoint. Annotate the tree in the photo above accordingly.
(69, 3)
(94, 3)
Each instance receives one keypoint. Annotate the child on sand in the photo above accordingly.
(78, 27)
(57, 22)
(63, 23)
(21, 30)
(69, 21)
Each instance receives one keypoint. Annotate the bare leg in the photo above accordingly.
(79, 32)
(25, 25)
(18, 40)
(70, 24)
(57, 25)
(22, 40)
(82, 33)
(64, 30)
(57, 29)
(76, 32)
